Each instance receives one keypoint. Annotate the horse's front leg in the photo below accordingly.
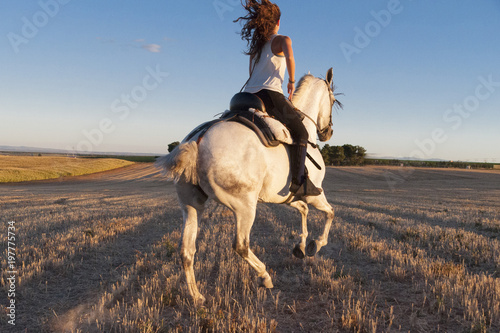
(321, 204)
(299, 250)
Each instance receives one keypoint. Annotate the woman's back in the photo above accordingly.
(268, 72)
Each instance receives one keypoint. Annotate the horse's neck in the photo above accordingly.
(309, 105)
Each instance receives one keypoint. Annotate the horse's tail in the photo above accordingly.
(181, 162)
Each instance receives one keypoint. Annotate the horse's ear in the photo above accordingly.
(329, 76)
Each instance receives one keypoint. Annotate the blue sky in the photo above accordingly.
(420, 78)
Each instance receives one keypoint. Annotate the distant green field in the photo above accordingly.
(28, 168)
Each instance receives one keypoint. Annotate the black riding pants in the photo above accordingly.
(279, 107)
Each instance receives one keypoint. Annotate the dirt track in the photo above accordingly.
(92, 245)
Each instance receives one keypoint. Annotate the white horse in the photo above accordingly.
(232, 166)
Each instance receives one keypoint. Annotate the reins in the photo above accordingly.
(307, 116)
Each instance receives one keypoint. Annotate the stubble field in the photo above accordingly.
(98, 253)
(28, 168)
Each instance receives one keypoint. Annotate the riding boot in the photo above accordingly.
(301, 184)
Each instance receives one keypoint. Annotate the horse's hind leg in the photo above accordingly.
(192, 202)
(321, 204)
(299, 250)
(245, 216)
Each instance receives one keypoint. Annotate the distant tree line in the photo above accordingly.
(171, 146)
(343, 155)
(430, 164)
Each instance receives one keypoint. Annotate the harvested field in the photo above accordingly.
(29, 168)
(410, 250)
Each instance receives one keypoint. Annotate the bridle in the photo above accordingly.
(327, 130)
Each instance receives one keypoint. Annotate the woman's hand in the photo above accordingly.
(291, 90)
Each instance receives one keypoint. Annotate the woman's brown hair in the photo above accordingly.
(260, 22)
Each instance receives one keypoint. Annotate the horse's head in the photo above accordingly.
(327, 101)
(315, 98)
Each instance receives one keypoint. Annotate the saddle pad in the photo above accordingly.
(280, 132)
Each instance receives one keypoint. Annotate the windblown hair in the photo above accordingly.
(259, 25)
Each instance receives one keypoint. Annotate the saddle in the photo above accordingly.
(249, 110)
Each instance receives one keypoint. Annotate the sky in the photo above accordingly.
(420, 79)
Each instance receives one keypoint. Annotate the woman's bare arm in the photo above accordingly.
(286, 46)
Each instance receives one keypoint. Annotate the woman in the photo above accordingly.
(270, 55)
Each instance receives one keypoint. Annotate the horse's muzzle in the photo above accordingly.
(325, 134)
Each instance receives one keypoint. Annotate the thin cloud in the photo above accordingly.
(155, 48)
(137, 43)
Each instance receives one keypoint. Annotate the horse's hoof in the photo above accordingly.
(312, 248)
(266, 282)
(298, 252)
(199, 301)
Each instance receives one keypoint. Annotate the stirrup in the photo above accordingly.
(306, 189)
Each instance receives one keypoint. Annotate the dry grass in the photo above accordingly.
(28, 168)
(100, 255)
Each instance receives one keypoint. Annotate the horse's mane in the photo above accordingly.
(302, 86)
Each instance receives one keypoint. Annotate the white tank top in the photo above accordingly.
(269, 72)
